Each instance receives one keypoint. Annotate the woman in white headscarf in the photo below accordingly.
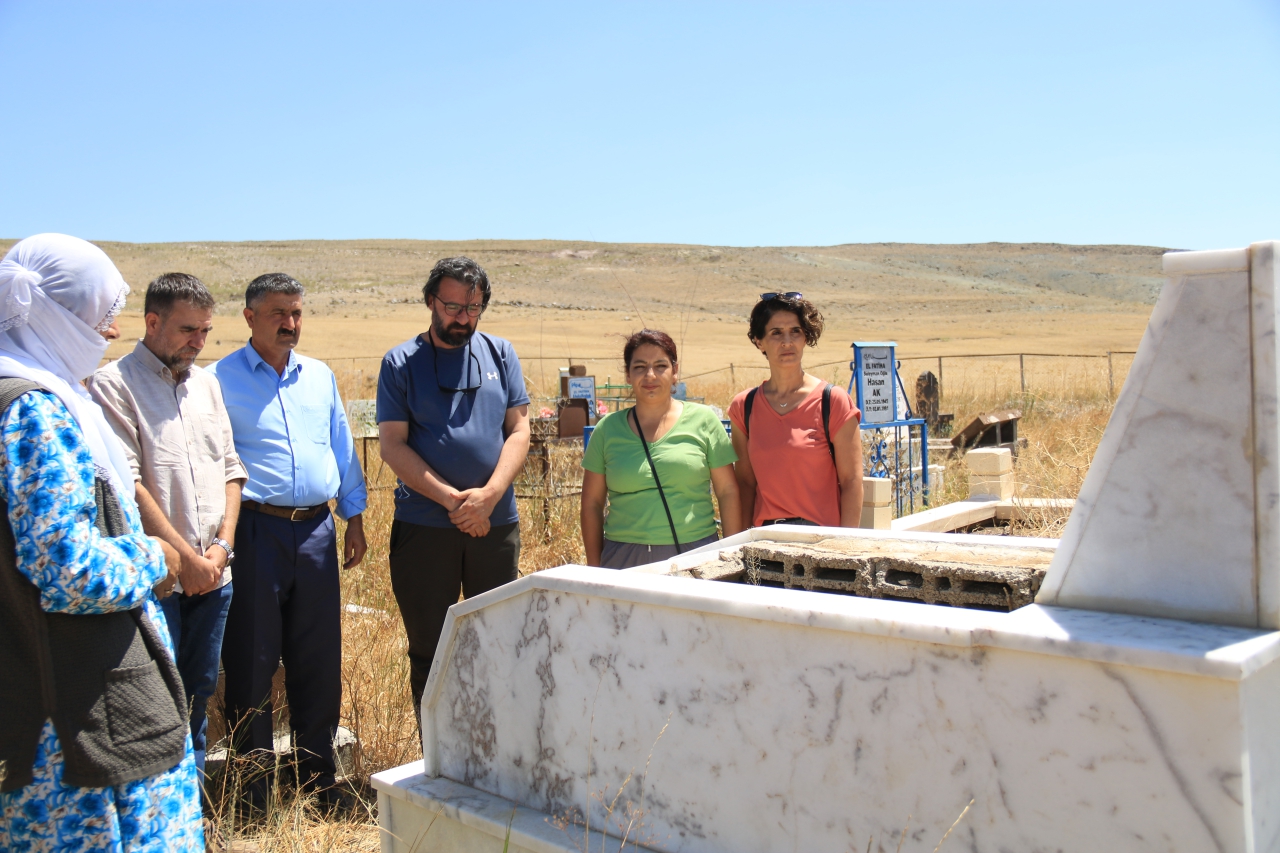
(78, 549)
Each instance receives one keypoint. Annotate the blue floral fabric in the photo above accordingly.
(46, 472)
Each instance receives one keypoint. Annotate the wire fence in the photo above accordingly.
(552, 473)
(961, 377)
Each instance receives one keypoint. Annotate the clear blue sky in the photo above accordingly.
(736, 123)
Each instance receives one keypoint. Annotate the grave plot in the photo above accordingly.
(980, 577)
(1131, 706)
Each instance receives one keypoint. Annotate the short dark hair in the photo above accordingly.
(176, 287)
(810, 318)
(657, 338)
(272, 282)
(462, 270)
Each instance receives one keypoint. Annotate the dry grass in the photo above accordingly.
(1064, 413)
(291, 821)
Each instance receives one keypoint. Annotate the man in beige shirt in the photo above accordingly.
(171, 419)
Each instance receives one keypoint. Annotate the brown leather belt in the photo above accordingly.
(293, 513)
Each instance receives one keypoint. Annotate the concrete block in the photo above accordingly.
(957, 576)
(876, 517)
(999, 487)
(989, 460)
(877, 491)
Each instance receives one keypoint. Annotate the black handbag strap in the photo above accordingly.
(654, 469)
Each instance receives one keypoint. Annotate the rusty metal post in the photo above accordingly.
(1022, 371)
(1111, 378)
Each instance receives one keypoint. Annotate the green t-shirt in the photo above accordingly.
(684, 456)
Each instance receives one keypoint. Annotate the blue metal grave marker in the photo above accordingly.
(874, 386)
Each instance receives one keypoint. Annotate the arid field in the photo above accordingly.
(557, 300)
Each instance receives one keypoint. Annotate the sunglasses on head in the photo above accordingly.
(793, 295)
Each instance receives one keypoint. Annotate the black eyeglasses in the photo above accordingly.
(452, 309)
(793, 295)
(435, 364)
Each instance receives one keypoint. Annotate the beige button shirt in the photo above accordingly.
(177, 437)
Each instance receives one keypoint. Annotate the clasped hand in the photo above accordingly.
(471, 510)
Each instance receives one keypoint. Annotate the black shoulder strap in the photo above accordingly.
(826, 419)
(826, 415)
(11, 388)
(656, 481)
(746, 411)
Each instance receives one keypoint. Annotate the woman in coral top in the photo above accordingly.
(792, 468)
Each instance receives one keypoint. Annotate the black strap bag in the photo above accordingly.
(657, 482)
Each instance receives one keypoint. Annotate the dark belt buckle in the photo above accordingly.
(298, 514)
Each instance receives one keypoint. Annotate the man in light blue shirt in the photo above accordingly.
(292, 435)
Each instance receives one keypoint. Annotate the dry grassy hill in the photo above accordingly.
(559, 299)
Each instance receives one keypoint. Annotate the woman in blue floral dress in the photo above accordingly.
(58, 301)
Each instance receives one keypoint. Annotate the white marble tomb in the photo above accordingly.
(815, 722)
(694, 715)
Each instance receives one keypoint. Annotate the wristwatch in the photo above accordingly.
(226, 546)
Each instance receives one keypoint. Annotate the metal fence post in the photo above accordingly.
(939, 380)
(1111, 378)
(546, 491)
(1022, 371)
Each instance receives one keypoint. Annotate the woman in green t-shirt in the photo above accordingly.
(685, 442)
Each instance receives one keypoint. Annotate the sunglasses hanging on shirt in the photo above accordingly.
(470, 357)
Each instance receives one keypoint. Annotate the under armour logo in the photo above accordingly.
(491, 375)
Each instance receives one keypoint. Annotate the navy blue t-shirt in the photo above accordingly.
(458, 433)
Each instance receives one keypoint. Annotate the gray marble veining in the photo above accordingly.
(734, 728)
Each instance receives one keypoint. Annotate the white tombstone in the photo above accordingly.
(1179, 515)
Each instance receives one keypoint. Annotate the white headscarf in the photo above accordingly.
(57, 294)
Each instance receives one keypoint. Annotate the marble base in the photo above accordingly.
(711, 716)
(419, 813)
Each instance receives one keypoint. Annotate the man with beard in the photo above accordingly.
(292, 433)
(453, 419)
(170, 418)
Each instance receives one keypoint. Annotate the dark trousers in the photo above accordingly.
(197, 623)
(428, 567)
(286, 607)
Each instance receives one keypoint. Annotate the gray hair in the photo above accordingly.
(176, 287)
(460, 269)
(272, 282)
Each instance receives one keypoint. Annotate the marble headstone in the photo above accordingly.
(1179, 515)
